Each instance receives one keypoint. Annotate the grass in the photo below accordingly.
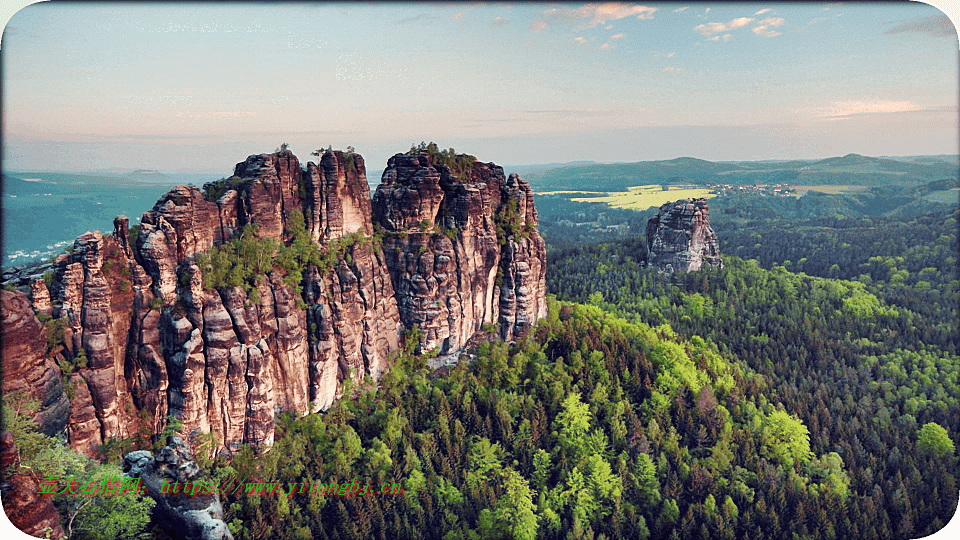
(830, 189)
(643, 197)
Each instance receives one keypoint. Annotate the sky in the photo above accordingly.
(197, 88)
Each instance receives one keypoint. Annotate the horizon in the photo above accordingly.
(92, 87)
(575, 163)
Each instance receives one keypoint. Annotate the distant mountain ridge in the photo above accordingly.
(851, 169)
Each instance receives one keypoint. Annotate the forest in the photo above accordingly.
(807, 390)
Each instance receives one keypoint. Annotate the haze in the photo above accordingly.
(199, 87)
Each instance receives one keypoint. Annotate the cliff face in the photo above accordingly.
(679, 237)
(146, 338)
(463, 250)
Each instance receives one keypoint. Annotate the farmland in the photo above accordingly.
(643, 197)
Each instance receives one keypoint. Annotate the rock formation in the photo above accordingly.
(679, 237)
(463, 250)
(26, 366)
(147, 335)
(193, 515)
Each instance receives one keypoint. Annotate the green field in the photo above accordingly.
(948, 196)
(643, 197)
(827, 188)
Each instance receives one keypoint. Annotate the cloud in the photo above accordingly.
(607, 46)
(725, 37)
(684, 8)
(581, 40)
(618, 36)
(671, 54)
(716, 28)
(537, 26)
(935, 25)
(600, 14)
(671, 69)
(763, 27)
(458, 16)
(762, 11)
(847, 108)
(499, 21)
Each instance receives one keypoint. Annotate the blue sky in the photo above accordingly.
(200, 87)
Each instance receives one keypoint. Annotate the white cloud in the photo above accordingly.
(716, 28)
(618, 36)
(684, 8)
(762, 11)
(457, 16)
(499, 21)
(725, 37)
(763, 27)
(671, 69)
(580, 39)
(847, 108)
(607, 46)
(600, 14)
(671, 54)
(608, 27)
(537, 26)
(707, 10)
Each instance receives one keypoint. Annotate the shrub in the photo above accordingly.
(54, 333)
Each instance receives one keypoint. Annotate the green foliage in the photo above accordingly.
(213, 191)
(514, 513)
(54, 329)
(786, 439)
(933, 440)
(509, 222)
(132, 234)
(122, 515)
(459, 165)
(573, 426)
(48, 278)
(37, 455)
(238, 262)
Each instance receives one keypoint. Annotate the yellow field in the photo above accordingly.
(643, 197)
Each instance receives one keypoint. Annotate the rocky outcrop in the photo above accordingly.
(146, 335)
(26, 366)
(27, 509)
(187, 503)
(679, 237)
(462, 248)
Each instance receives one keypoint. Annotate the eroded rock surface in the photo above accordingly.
(192, 516)
(679, 237)
(459, 248)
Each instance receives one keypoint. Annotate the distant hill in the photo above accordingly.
(852, 169)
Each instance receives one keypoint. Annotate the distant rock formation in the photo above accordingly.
(187, 503)
(145, 338)
(679, 237)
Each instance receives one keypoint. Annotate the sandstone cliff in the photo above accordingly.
(149, 334)
(462, 249)
(679, 237)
